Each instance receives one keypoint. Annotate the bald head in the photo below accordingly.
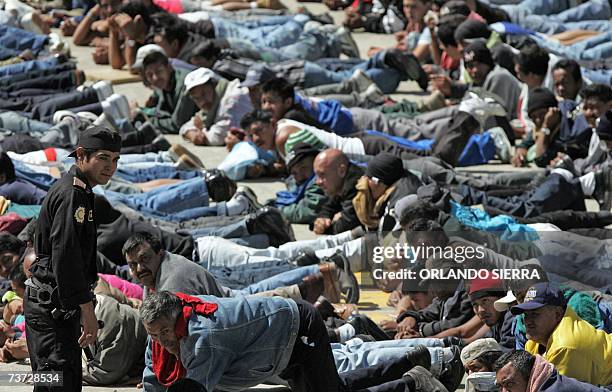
(331, 167)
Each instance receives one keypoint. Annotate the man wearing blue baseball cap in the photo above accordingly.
(557, 333)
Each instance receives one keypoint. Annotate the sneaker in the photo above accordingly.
(424, 381)
(348, 44)
(117, 107)
(61, 114)
(324, 307)
(407, 65)
(69, 128)
(451, 341)
(87, 117)
(270, 221)
(220, 186)
(178, 150)
(481, 109)
(103, 89)
(161, 143)
(306, 257)
(331, 288)
(364, 325)
(603, 188)
(149, 133)
(360, 81)
(373, 95)
(185, 162)
(503, 148)
(106, 121)
(347, 279)
(419, 356)
(248, 194)
(311, 288)
(453, 370)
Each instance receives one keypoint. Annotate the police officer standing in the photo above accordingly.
(59, 299)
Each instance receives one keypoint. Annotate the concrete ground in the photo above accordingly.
(373, 302)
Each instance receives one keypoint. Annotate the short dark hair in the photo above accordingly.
(137, 240)
(208, 49)
(280, 87)
(457, 7)
(18, 275)
(6, 166)
(154, 58)
(489, 358)
(420, 209)
(571, 66)
(447, 26)
(10, 243)
(602, 92)
(139, 7)
(255, 116)
(422, 230)
(170, 26)
(521, 360)
(533, 59)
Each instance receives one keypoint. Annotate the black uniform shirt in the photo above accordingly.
(65, 241)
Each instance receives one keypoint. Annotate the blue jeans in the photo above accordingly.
(167, 200)
(601, 76)
(18, 39)
(357, 354)
(41, 180)
(26, 66)
(253, 279)
(386, 78)
(17, 123)
(555, 16)
(149, 158)
(218, 252)
(311, 45)
(593, 48)
(271, 32)
(144, 174)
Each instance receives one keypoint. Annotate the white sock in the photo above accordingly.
(346, 332)
(587, 182)
(236, 205)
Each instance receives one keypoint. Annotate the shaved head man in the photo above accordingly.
(331, 167)
(338, 178)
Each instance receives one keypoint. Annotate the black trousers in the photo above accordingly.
(448, 148)
(53, 345)
(8, 80)
(60, 81)
(71, 100)
(312, 367)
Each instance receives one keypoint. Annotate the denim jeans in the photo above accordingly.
(26, 66)
(144, 174)
(41, 180)
(272, 32)
(311, 45)
(253, 279)
(357, 354)
(218, 252)
(593, 48)
(14, 122)
(166, 200)
(20, 40)
(555, 16)
(601, 76)
(150, 159)
(386, 78)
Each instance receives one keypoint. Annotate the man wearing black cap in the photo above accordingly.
(59, 298)
(384, 183)
(491, 78)
(303, 201)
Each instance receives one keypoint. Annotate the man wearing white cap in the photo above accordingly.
(222, 104)
(147, 49)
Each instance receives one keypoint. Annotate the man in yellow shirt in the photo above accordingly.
(557, 333)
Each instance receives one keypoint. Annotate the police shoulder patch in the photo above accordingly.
(78, 183)
(79, 214)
